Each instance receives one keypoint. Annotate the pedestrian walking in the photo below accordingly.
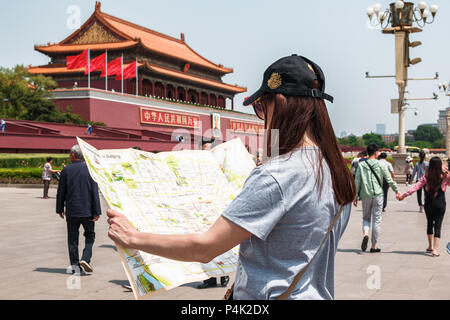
(435, 182)
(47, 172)
(369, 187)
(420, 169)
(355, 163)
(79, 203)
(382, 158)
(409, 170)
(292, 210)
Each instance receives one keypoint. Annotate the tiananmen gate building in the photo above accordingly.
(177, 95)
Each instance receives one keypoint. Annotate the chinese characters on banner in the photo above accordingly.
(246, 127)
(150, 116)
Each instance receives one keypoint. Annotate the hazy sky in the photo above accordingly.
(248, 35)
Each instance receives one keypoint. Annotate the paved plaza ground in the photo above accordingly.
(34, 257)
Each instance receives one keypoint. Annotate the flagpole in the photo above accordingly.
(137, 82)
(121, 70)
(106, 67)
(89, 68)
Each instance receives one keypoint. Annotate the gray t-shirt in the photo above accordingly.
(280, 205)
(387, 164)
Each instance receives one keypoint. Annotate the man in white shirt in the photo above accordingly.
(383, 161)
(47, 172)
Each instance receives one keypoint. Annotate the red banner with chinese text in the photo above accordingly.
(246, 127)
(149, 116)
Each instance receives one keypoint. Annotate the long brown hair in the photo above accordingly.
(296, 116)
(434, 175)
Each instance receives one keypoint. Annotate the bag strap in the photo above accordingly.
(297, 278)
(373, 171)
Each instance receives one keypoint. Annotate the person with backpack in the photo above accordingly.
(434, 182)
(369, 188)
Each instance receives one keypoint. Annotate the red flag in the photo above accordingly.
(97, 64)
(128, 72)
(77, 62)
(114, 67)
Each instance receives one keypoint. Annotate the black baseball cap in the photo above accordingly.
(292, 76)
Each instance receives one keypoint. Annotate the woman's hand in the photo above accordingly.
(120, 229)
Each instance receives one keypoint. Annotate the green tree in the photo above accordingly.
(369, 138)
(393, 144)
(439, 143)
(427, 133)
(351, 141)
(24, 96)
(422, 144)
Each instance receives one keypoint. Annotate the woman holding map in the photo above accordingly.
(292, 210)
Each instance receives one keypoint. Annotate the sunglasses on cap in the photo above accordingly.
(258, 108)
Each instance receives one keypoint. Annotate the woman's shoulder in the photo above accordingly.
(297, 164)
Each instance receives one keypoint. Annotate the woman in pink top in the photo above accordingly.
(435, 181)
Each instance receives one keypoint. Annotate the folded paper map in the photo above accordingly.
(179, 192)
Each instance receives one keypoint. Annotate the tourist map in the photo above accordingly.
(178, 192)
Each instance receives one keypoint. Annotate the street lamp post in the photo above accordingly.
(401, 19)
(445, 88)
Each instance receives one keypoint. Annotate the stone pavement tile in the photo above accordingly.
(385, 266)
(15, 283)
(34, 290)
(429, 263)
(110, 291)
(28, 272)
(44, 296)
(68, 287)
(190, 291)
(389, 257)
(355, 258)
(353, 279)
(390, 296)
(433, 293)
(351, 291)
(413, 273)
(33, 259)
(444, 264)
(439, 279)
(50, 276)
(405, 285)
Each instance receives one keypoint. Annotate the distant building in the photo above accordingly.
(410, 135)
(389, 138)
(381, 128)
(442, 121)
(344, 134)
